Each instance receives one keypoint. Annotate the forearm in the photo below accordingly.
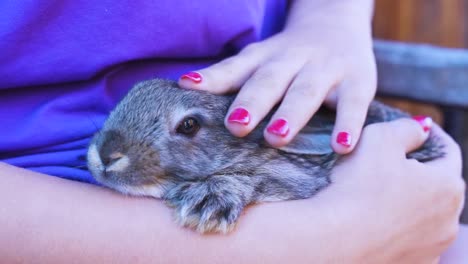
(50, 220)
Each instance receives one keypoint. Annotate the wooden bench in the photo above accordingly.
(429, 74)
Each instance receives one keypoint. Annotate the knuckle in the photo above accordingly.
(305, 89)
(374, 133)
(460, 186)
(227, 63)
(250, 49)
(267, 73)
(455, 185)
(459, 191)
(453, 196)
(373, 129)
(364, 79)
(358, 99)
(450, 236)
(457, 153)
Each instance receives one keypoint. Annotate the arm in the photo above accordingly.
(362, 214)
(51, 220)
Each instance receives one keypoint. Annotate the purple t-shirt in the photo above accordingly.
(65, 64)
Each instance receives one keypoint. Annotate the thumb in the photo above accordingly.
(405, 134)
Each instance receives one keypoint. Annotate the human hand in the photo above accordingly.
(317, 58)
(410, 210)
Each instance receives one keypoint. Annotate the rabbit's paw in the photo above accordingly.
(206, 206)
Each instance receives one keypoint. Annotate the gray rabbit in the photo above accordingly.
(171, 143)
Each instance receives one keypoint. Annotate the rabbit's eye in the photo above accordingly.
(189, 126)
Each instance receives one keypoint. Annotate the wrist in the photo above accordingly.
(355, 15)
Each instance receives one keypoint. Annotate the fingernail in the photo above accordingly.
(239, 115)
(280, 127)
(344, 138)
(425, 122)
(193, 76)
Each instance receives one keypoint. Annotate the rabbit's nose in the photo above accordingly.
(111, 159)
(115, 162)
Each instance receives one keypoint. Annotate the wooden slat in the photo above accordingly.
(429, 21)
(422, 72)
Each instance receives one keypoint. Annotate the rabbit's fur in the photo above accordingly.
(210, 176)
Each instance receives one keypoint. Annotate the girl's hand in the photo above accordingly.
(409, 210)
(323, 55)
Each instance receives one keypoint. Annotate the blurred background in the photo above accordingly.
(438, 22)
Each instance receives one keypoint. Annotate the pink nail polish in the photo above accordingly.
(239, 115)
(193, 76)
(344, 138)
(280, 127)
(425, 122)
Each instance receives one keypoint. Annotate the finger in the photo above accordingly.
(303, 98)
(404, 134)
(228, 75)
(259, 94)
(351, 114)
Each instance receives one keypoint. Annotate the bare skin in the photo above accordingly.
(323, 55)
(457, 252)
(358, 219)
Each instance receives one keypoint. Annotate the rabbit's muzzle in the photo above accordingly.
(129, 166)
(105, 166)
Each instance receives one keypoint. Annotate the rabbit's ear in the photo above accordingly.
(315, 137)
(310, 141)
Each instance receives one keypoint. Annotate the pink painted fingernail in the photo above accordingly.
(193, 76)
(344, 138)
(239, 115)
(280, 127)
(425, 122)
